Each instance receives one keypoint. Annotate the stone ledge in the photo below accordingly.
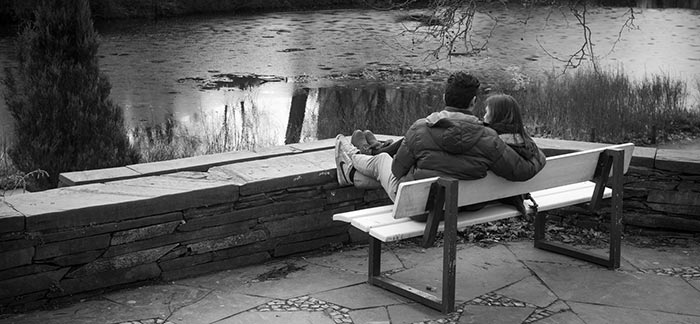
(205, 162)
(196, 163)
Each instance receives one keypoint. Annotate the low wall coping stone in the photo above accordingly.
(678, 160)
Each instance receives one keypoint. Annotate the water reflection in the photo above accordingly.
(384, 109)
(253, 117)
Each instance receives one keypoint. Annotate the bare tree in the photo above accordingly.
(450, 22)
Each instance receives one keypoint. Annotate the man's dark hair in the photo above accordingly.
(461, 89)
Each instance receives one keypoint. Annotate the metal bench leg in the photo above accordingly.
(616, 208)
(612, 158)
(449, 256)
(375, 259)
(447, 303)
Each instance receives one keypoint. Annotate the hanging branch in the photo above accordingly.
(628, 25)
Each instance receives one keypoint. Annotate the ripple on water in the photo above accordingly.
(133, 52)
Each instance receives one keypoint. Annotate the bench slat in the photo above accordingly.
(376, 217)
(349, 216)
(367, 223)
(559, 171)
(546, 199)
(415, 194)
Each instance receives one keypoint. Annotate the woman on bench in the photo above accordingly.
(452, 142)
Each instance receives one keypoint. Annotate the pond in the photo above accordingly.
(202, 71)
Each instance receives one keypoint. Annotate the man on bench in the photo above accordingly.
(450, 143)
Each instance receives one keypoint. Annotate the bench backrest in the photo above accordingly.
(570, 168)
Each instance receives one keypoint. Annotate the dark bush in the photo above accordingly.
(64, 119)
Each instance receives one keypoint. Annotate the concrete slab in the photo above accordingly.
(158, 299)
(530, 290)
(614, 288)
(592, 314)
(89, 312)
(412, 313)
(313, 279)
(214, 307)
(502, 315)
(360, 296)
(479, 270)
(279, 317)
(370, 315)
(355, 260)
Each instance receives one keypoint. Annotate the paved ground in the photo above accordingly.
(503, 283)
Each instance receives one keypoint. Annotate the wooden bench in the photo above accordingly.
(567, 179)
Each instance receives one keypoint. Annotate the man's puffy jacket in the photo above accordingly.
(456, 144)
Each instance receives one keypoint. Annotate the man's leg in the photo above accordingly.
(362, 181)
(377, 167)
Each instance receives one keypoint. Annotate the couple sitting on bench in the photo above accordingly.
(451, 143)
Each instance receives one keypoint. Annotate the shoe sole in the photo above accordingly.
(340, 164)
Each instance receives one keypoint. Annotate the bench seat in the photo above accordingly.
(380, 223)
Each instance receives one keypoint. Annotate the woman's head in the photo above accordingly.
(504, 110)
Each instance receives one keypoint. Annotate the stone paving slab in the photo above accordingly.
(502, 315)
(279, 317)
(229, 280)
(161, 300)
(526, 251)
(361, 296)
(88, 312)
(695, 283)
(479, 270)
(530, 290)
(356, 260)
(518, 284)
(412, 313)
(370, 315)
(661, 257)
(615, 288)
(601, 314)
(567, 317)
(313, 279)
(216, 306)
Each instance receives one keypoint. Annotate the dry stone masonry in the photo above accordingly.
(104, 229)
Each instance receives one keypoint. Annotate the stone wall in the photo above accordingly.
(161, 221)
(67, 242)
(663, 192)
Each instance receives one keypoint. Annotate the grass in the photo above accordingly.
(10, 177)
(210, 134)
(609, 107)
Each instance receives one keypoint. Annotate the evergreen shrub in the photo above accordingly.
(59, 99)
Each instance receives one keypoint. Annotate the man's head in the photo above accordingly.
(461, 90)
